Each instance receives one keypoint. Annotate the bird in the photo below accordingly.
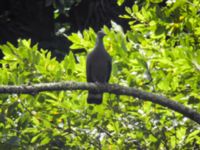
(98, 68)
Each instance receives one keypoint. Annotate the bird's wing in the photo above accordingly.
(109, 68)
(88, 69)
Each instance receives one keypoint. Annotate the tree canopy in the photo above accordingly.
(160, 53)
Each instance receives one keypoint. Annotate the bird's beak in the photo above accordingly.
(103, 33)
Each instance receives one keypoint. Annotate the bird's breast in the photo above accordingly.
(99, 68)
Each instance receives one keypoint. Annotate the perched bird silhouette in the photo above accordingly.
(98, 68)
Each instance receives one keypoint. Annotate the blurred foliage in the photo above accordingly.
(63, 6)
(160, 53)
(61, 13)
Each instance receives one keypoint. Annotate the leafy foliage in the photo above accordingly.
(160, 53)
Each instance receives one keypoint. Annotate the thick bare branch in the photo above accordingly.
(110, 88)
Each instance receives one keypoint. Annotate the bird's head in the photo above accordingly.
(101, 34)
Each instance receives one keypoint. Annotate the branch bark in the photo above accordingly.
(110, 88)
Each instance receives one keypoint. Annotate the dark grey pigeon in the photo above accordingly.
(98, 68)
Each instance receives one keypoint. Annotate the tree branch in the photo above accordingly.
(110, 88)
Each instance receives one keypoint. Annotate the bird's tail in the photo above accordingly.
(94, 98)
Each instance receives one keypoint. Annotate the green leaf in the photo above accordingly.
(46, 140)
(135, 8)
(120, 2)
(192, 136)
(152, 138)
(128, 10)
(35, 138)
(156, 1)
